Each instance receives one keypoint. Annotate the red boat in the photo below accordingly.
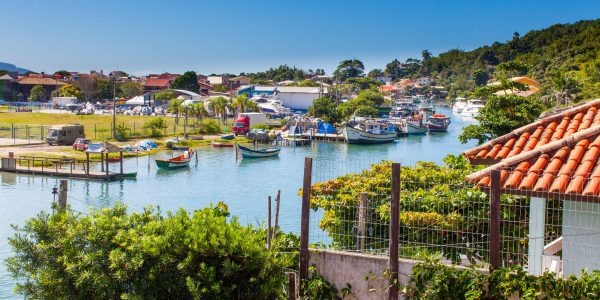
(438, 123)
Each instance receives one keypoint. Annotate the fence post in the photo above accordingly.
(62, 195)
(12, 125)
(394, 231)
(277, 200)
(269, 223)
(291, 286)
(305, 222)
(27, 133)
(95, 131)
(41, 133)
(494, 220)
(362, 221)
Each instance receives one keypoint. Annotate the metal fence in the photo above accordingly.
(443, 216)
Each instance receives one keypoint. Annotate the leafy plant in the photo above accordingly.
(156, 125)
(122, 132)
(111, 254)
(264, 127)
(318, 288)
(208, 126)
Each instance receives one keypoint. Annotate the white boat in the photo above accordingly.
(459, 105)
(472, 108)
(370, 132)
(415, 125)
(272, 107)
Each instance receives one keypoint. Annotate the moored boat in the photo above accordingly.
(175, 162)
(459, 105)
(472, 108)
(415, 125)
(370, 132)
(249, 153)
(438, 123)
(221, 145)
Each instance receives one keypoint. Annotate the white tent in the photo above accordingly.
(137, 100)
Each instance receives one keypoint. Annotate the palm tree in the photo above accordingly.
(186, 109)
(199, 111)
(243, 104)
(175, 108)
(220, 105)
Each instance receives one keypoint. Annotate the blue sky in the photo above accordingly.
(235, 36)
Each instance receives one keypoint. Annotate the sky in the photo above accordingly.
(233, 36)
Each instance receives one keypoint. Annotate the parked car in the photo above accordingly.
(81, 144)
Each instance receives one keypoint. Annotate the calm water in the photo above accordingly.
(244, 185)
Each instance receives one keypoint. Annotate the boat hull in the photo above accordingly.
(221, 145)
(413, 129)
(357, 136)
(166, 164)
(249, 153)
(437, 128)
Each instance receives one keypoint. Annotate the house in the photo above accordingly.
(205, 88)
(9, 87)
(424, 81)
(218, 80)
(157, 84)
(556, 162)
(202, 78)
(531, 84)
(49, 84)
(239, 81)
(384, 79)
(297, 97)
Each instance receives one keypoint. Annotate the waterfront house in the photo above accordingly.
(556, 162)
(49, 84)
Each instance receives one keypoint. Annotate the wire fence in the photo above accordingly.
(444, 216)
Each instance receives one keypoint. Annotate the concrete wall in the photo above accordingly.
(297, 100)
(364, 272)
(581, 241)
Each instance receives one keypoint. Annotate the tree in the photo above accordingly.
(165, 95)
(113, 254)
(394, 69)
(104, 88)
(349, 68)
(243, 104)
(70, 90)
(324, 108)
(480, 76)
(375, 73)
(37, 93)
(374, 97)
(219, 88)
(363, 83)
(366, 111)
(199, 111)
(156, 126)
(219, 106)
(130, 89)
(175, 108)
(426, 55)
(63, 73)
(501, 115)
(565, 88)
(89, 88)
(188, 81)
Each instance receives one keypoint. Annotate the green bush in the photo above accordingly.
(156, 125)
(112, 254)
(432, 280)
(122, 133)
(209, 126)
(264, 127)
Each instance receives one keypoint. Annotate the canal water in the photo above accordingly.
(216, 176)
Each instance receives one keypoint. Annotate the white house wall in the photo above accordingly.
(297, 100)
(581, 237)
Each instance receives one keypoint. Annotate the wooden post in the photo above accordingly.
(121, 161)
(277, 201)
(305, 221)
(495, 220)
(106, 160)
(362, 221)
(62, 195)
(87, 162)
(101, 162)
(291, 286)
(269, 223)
(394, 231)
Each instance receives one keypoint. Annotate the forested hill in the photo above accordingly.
(559, 51)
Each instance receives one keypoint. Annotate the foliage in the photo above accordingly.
(432, 280)
(122, 132)
(165, 95)
(208, 126)
(367, 101)
(317, 287)
(104, 88)
(37, 93)
(434, 198)
(243, 104)
(349, 68)
(219, 88)
(326, 109)
(363, 83)
(175, 108)
(220, 105)
(156, 126)
(501, 115)
(260, 127)
(306, 83)
(366, 111)
(70, 90)
(130, 89)
(480, 76)
(63, 73)
(375, 73)
(281, 73)
(110, 254)
(188, 81)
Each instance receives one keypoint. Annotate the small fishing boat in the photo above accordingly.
(415, 125)
(438, 123)
(175, 162)
(228, 137)
(221, 145)
(180, 148)
(249, 153)
(131, 175)
(370, 132)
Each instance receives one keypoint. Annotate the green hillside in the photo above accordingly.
(561, 51)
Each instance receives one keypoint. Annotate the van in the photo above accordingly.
(64, 134)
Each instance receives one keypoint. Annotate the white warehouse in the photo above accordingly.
(299, 98)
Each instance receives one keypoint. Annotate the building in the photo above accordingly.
(297, 97)
(9, 87)
(253, 90)
(218, 80)
(424, 81)
(384, 79)
(554, 161)
(205, 88)
(239, 81)
(49, 84)
(157, 84)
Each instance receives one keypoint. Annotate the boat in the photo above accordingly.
(228, 137)
(402, 109)
(249, 153)
(415, 125)
(220, 144)
(180, 148)
(459, 104)
(175, 162)
(370, 132)
(131, 175)
(472, 108)
(438, 123)
(114, 159)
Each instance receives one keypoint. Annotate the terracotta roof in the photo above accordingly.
(546, 130)
(570, 166)
(158, 82)
(40, 80)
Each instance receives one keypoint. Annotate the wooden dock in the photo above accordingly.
(61, 172)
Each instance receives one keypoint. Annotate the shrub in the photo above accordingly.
(156, 125)
(122, 133)
(112, 254)
(209, 126)
(264, 127)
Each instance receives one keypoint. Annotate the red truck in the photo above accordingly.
(245, 121)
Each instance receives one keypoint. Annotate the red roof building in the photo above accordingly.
(156, 84)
